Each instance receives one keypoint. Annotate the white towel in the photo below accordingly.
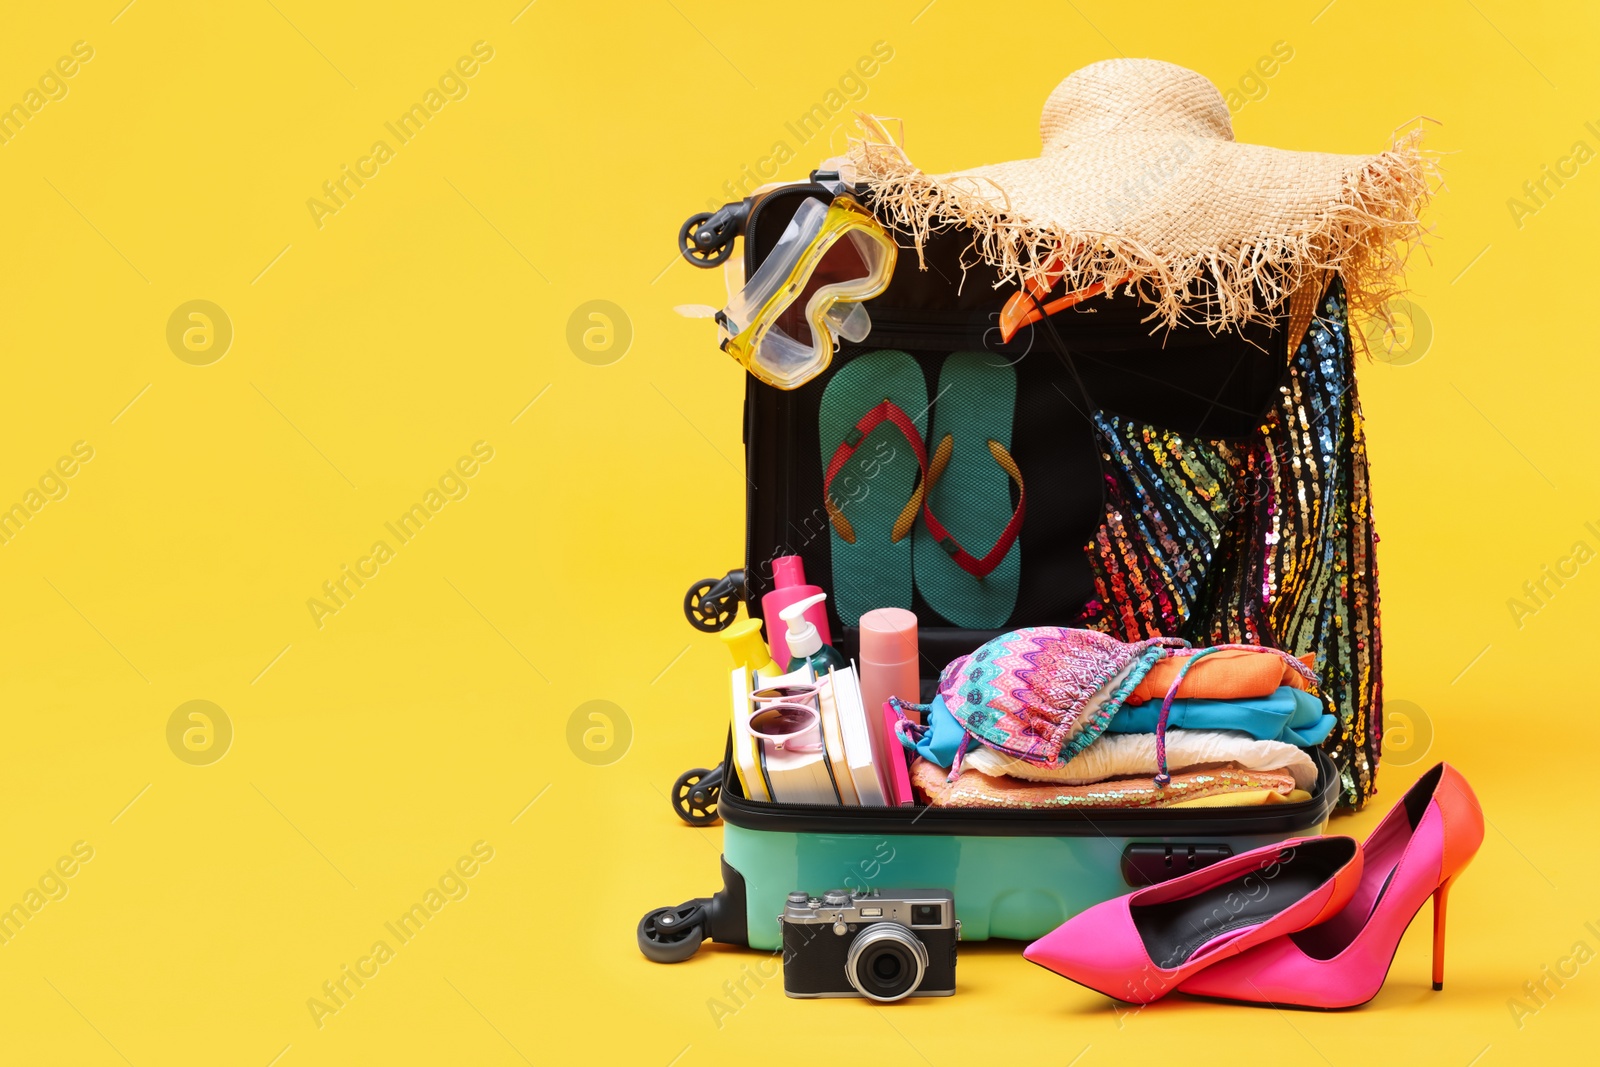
(1118, 755)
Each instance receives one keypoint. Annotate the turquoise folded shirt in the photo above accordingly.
(1290, 715)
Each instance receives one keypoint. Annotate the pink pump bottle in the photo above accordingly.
(789, 587)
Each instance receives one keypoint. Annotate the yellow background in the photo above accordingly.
(432, 709)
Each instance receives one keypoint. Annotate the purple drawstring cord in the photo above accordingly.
(961, 752)
(1190, 657)
(1162, 777)
(908, 733)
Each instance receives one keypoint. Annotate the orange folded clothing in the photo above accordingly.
(1226, 675)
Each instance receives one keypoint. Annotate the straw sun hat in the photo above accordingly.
(1140, 185)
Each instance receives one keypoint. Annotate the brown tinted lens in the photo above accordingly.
(781, 720)
(841, 263)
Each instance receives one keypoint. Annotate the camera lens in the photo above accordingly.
(886, 962)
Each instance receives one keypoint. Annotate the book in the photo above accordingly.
(886, 750)
(785, 776)
(865, 769)
(833, 740)
(898, 774)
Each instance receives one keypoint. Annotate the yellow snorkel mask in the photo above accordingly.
(784, 325)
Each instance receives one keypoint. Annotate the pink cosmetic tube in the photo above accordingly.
(889, 668)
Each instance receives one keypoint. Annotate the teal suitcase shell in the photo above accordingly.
(1015, 875)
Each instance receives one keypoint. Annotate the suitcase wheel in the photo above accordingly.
(694, 796)
(672, 935)
(711, 604)
(706, 240)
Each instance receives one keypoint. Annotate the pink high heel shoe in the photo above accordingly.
(1417, 851)
(1139, 947)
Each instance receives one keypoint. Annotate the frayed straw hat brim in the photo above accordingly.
(1140, 184)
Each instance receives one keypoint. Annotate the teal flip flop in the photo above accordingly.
(968, 499)
(871, 424)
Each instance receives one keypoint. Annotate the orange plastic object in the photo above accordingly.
(1024, 306)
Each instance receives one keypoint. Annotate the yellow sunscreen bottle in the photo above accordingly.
(744, 643)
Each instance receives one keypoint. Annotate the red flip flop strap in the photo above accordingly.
(978, 568)
(877, 415)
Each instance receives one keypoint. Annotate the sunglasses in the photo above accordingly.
(788, 727)
(791, 693)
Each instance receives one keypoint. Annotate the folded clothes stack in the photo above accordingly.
(1056, 719)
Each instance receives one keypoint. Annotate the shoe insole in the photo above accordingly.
(1326, 941)
(1175, 930)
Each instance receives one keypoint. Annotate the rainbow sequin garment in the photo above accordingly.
(1266, 540)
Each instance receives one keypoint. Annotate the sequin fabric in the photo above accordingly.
(973, 789)
(1267, 540)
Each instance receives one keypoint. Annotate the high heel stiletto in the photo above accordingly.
(1440, 896)
(1417, 851)
(1139, 947)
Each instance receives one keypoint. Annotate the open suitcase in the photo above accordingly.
(1283, 559)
